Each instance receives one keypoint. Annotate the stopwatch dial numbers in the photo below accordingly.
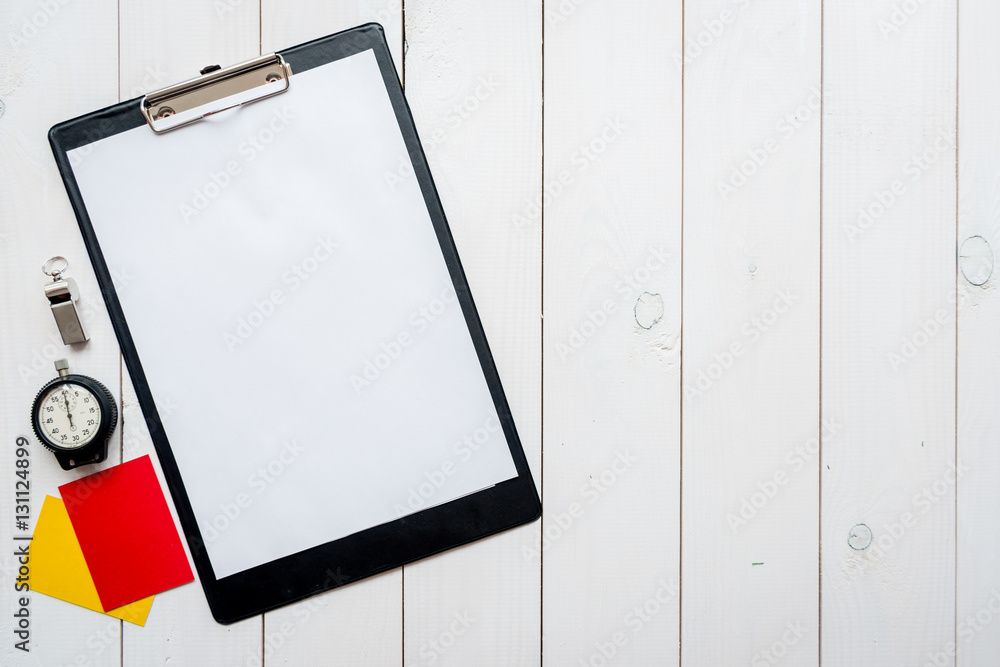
(69, 415)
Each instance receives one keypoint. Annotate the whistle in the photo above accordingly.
(63, 295)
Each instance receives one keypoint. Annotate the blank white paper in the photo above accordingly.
(294, 316)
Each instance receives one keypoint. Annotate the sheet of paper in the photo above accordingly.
(126, 533)
(294, 316)
(58, 568)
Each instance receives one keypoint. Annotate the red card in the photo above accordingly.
(127, 535)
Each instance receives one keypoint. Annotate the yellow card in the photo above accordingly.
(59, 569)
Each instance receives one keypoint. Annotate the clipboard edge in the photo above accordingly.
(123, 116)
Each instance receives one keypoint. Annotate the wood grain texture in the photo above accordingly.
(889, 332)
(40, 86)
(297, 21)
(978, 534)
(165, 43)
(609, 536)
(830, 254)
(751, 332)
(473, 82)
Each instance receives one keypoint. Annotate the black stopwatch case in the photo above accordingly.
(94, 451)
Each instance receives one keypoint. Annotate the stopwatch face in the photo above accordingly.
(69, 415)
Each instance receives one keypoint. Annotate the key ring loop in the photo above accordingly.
(47, 267)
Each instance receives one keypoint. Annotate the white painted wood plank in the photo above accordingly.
(290, 23)
(610, 536)
(751, 332)
(161, 45)
(57, 61)
(473, 81)
(889, 98)
(889, 332)
(363, 623)
(978, 495)
(166, 43)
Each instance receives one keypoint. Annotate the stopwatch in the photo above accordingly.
(73, 416)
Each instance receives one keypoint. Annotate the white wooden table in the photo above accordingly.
(784, 177)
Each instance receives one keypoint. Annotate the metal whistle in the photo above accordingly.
(63, 294)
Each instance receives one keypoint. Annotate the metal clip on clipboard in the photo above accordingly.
(217, 89)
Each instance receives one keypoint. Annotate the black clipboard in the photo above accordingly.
(377, 548)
